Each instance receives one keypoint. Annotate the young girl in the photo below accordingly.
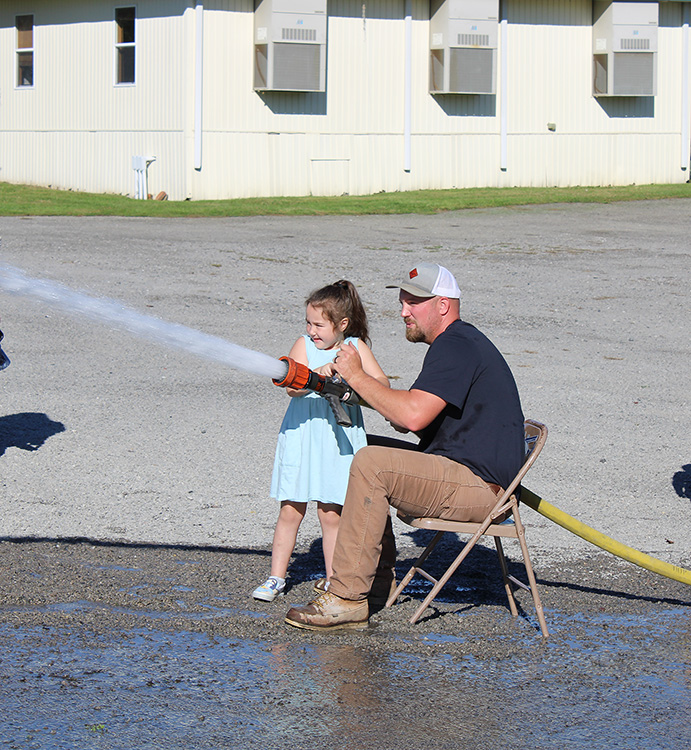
(314, 452)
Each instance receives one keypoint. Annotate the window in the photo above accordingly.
(124, 44)
(25, 50)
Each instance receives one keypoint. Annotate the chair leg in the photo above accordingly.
(454, 565)
(442, 581)
(531, 575)
(415, 569)
(505, 575)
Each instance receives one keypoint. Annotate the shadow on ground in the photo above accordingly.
(27, 431)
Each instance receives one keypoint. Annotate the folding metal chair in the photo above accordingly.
(495, 526)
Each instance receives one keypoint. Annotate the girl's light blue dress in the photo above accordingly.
(314, 453)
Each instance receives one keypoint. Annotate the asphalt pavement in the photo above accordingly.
(135, 518)
(111, 437)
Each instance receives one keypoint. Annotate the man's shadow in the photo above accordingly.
(27, 431)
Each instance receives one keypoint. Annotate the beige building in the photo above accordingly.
(218, 99)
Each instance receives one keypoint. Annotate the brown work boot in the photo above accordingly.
(329, 612)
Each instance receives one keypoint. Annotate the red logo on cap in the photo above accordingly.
(413, 273)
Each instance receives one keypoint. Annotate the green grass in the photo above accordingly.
(24, 200)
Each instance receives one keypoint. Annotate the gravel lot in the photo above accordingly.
(107, 436)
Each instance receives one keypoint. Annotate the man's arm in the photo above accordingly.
(412, 410)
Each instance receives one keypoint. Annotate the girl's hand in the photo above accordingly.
(328, 370)
(293, 393)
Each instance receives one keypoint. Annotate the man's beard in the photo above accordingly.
(415, 334)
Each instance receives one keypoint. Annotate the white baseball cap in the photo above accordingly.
(429, 280)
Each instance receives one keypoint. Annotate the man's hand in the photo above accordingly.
(348, 363)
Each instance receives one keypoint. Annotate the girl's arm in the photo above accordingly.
(370, 364)
(299, 354)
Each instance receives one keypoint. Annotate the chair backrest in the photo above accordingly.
(535, 437)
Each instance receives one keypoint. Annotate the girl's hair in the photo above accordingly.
(341, 300)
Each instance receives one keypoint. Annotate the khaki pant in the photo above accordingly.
(419, 484)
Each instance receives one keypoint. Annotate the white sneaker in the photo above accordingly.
(270, 589)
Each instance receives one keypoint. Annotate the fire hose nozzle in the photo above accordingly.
(335, 391)
(296, 376)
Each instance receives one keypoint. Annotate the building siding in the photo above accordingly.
(76, 129)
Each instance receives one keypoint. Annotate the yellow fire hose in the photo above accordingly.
(601, 540)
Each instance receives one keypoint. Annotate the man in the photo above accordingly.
(465, 408)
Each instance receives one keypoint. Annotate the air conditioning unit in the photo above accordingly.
(625, 48)
(463, 46)
(290, 45)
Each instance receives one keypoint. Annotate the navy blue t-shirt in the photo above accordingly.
(481, 425)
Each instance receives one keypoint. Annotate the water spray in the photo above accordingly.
(285, 372)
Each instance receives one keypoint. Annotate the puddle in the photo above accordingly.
(209, 612)
(614, 681)
(124, 648)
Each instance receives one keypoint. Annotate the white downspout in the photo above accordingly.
(685, 113)
(503, 94)
(198, 83)
(408, 84)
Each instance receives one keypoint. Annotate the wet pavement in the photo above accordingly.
(108, 645)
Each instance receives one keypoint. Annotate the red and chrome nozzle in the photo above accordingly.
(335, 391)
(299, 376)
